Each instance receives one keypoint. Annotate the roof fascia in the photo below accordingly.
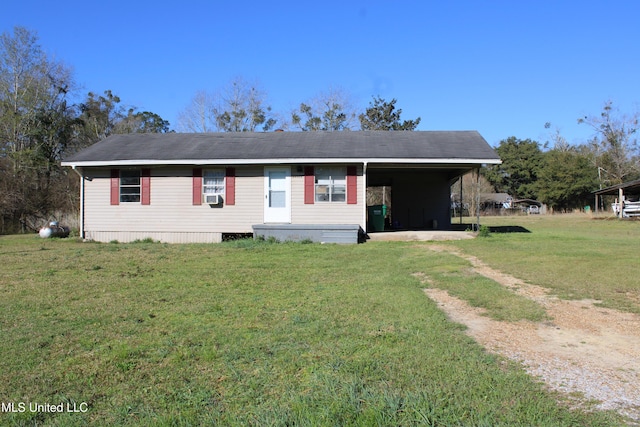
(201, 162)
(614, 188)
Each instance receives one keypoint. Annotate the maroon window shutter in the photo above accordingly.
(145, 187)
(197, 186)
(352, 185)
(309, 185)
(115, 186)
(230, 186)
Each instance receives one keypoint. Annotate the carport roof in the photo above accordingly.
(626, 186)
(423, 147)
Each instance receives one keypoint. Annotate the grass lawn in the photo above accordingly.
(576, 256)
(253, 333)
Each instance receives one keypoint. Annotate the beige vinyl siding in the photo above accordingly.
(171, 211)
(325, 212)
(172, 217)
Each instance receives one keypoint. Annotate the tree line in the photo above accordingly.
(40, 124)
(564, 176)
(241, 106)
(43, 119)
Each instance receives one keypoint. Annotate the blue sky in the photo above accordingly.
(503, 68)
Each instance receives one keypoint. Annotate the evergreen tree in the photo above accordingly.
(522, 161)
(382, 115)
(566, 180)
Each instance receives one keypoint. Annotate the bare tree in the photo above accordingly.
(556, 139)
(466, 191)
(615, 144)
(238, 107)
(327, 111)
(29, 82)
(242, 108)
(198, 116)
(36, 127)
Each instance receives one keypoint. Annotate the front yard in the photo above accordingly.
(250, 333)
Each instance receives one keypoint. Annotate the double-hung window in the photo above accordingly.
(130, 185)
(213, 185)
(330, 184)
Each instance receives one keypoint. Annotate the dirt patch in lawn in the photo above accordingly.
(589, 352)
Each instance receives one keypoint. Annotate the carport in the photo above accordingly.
(420, 193)
(622, 191)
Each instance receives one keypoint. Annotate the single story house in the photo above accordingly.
(194, 187)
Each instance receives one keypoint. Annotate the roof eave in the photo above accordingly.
(310, 160)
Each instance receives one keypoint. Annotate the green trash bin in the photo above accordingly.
(377, 214)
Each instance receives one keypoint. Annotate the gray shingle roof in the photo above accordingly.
(202, 148)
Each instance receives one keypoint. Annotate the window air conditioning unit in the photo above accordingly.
(212, 199)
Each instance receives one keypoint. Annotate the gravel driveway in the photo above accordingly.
(589, 352)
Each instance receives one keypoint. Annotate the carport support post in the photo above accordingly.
(80, 173)
(461, 204)
(364, 196)
(478, 199)
(620, 202)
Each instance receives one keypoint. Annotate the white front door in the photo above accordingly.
(277, 194)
